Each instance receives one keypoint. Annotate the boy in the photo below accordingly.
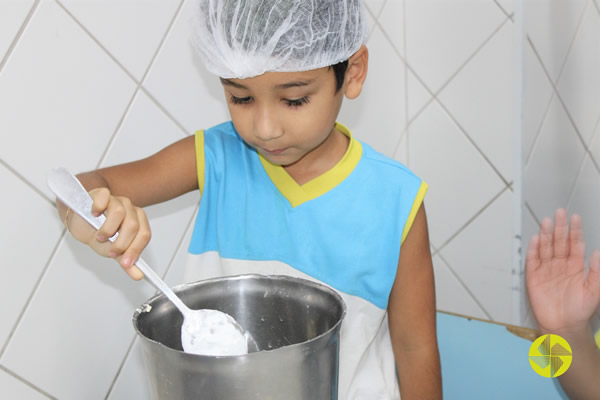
(285, 189)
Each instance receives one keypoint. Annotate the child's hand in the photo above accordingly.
(121, 216)
(561, 296)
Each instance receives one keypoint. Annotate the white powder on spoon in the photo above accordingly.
(213, 333)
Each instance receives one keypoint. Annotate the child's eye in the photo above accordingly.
(240, 100)
(297, 102)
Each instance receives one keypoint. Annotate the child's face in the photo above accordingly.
(285, 115)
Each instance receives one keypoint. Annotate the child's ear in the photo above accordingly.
(356, 72)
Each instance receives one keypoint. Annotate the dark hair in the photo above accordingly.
(339, 71)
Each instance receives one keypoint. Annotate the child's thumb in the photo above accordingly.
(593, 277)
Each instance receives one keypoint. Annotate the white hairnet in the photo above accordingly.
(246, 38)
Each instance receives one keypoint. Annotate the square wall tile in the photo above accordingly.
(482, 256)
(441, 35)
(145, 131)
(181, 84)
(482, 97)
(537, 94)
(12, 388)
(551, 26)
(74, 335)
(12, 16)
(391, 20)
(460, 180)
(579, 82)
(377, 116)
(132, 383)
(550, 174)
(418, 96)
(375, 6)
(584, 201)
(450, 294)
(530, 227)
(29, 232)
(62, 98)
(130, 30)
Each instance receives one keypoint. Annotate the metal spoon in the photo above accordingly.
(206, 332)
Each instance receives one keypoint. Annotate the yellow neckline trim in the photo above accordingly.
(298, 194)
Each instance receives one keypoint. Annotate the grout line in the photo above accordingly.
(471, 57)
(27, 383)
(533, 215)
(465, 287)
(435, 98)
(519, 43)
(108, 53)
(181, 241)
(34, 290)
(536, 139)
(503, 10)
(151, 63)
(138, 83)
(17, 37)
(568, 53)
(473, 218)
(587, 156)
(406, 97)
(165, 111)
(162, 41)
(170, 264)
(120, 369)
(115, 134)
(27, 183)
(472, 141)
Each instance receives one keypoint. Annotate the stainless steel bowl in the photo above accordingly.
(295, 324)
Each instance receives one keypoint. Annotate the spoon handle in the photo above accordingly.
(71, 192)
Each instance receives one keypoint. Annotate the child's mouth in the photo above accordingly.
(274, 152)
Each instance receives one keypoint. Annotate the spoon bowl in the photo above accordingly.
(206, 332)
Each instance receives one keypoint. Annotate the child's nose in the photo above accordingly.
(266, 125)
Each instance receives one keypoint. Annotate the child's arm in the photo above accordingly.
(120, 191)
(412, 317)
(563, 299)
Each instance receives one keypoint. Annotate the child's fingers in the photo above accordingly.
(561, 234)
(134, 273)
(101, 198)
(139, 242)
(546, 236)
(115, 215)
(532, 258)
(576, 237)
(128, 230)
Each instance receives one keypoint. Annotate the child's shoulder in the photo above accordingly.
(385, 164)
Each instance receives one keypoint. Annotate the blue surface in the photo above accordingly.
(482, 360)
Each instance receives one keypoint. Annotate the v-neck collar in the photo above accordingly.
(298, 194)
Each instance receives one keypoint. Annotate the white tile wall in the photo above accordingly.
(561, 116)
(13, 15)
(85, 84)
